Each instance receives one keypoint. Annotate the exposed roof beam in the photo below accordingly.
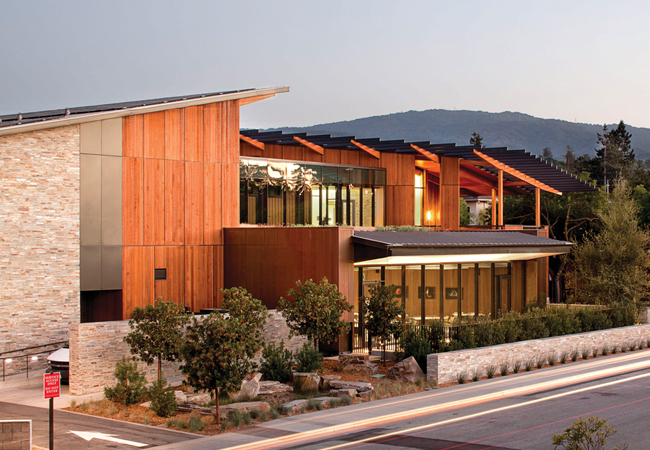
(246, 101)
(366, 149)
(429, 155)
(309, 145)
(515, 173)
(252, 142)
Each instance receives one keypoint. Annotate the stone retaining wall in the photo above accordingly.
(445, 367)
(96, 347)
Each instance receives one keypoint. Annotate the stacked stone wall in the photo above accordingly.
(39, 238)
(444, 368)
(96, 347)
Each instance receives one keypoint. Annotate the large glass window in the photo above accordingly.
(280, 192)
(419, 197)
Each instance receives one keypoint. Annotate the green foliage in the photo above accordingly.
(612, 266)
(476, 140)
(163, 400)
(308, 359)
(381, 314)
(219, 348)
(157, 332)
(415, 344)
(316, 310)
(466, 217)
(276, 363)
(130, 387)
(589, 434)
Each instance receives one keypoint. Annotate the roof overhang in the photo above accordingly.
(449, 258)
(103, 115)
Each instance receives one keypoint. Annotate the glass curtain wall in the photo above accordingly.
(278, 192)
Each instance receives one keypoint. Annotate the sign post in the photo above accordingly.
(51, 389)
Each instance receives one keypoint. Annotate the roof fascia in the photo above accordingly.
(82, 118)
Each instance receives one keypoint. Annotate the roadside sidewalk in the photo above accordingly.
(31, 394)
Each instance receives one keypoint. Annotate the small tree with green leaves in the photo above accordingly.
(131, 382)
(218, 349)
(316, 311)
(589, 434)
(157, 332)
(381, 313)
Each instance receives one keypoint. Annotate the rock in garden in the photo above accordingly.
(305, 382)
(180, 397)
(294, 407)
(341, 392)
(243, 407)
(363, 369)
(273, 387)
(352, 358)
(199, 399)
(357, 386)
(249, 388)
(325, 381)
(145, 404)
(406, 370)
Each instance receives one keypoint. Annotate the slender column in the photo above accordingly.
(538, 216)
(500, 197)
(494, 207)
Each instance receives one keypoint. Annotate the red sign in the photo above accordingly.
(51, 385)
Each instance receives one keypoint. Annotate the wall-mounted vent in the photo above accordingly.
(159, 274)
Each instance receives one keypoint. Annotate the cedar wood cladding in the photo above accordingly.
(180, 183)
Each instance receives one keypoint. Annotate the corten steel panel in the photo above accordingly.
(111, 268)
(174, 129)
(247, 149)
(90, 270)
(194, 133)
(133, 136)
(194, 197)
(213, 231)
(212, 132)
(332, 156)
(90, 201)
(112, 137)
(154, 202)
(111, 200)
(154, 135)
(230, 195)
(132, 201)
(174, 202)
(230, 132)
(90, 138)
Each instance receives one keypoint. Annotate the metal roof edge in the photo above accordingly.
(82, 118)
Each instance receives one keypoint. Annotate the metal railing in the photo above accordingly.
(33, 356)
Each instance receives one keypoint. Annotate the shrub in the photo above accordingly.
(552, 359)
(585, 353)
(491, 370)
(466, 337)
(574, 355)
(594, 351)
(503, 369)
(528, 365)
(235, 417)
(334, 402)
(605, 350)
(314, 404)
(516, 367)
(416, 345)
(540, 362)
(177, 423)
(308, 359)
(591, 433)
(195, 423)
(563, 357)
(476, 375)
(275, 413)
(512, 326)
(163, 400)
(130, 387)
(276, 363)
(346, 400)
(461, 377)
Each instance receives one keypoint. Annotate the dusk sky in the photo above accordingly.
(585, 61)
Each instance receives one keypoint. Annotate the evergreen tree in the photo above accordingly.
(615, 155)
(476, 140)
(611, 267)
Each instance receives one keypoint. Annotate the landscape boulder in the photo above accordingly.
(406, 370)
(356, 385)
(352, 358)
(243, 407)
(325, 381)
(343, 392)
(365, 368)
(199, 399)
(273, 387)
(305, 382)
(180, 397)
(249, 388)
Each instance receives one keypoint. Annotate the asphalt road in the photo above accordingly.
(65, 422)
(520, 411)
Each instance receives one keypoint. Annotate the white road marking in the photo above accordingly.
(88, 435)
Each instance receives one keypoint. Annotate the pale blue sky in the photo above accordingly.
(574, 60)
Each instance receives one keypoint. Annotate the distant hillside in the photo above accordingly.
(506, 129)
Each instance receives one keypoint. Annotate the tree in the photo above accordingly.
(465, 216)
(476, 140)
(316, 311)
(589, 434)
(615, 154)
(547, 153)
(157, 332)
(612, 266)
(218, 349)
(381, 314)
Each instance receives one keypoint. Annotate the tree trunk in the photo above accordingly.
(217, 416)
(159, 367)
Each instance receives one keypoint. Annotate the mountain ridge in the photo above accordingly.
(514, 130)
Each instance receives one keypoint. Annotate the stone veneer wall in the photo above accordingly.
(39, 238)
(444, 367)
(96, 347)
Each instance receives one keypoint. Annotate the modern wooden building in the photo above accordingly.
(111, 206)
